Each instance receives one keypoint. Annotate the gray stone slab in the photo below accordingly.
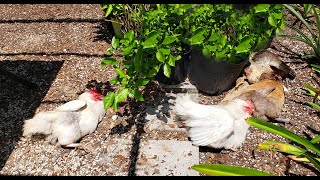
(163, 116)
(116, 157)
(167, 158)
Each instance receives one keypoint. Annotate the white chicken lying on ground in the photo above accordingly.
(216, 126)
(69, 122)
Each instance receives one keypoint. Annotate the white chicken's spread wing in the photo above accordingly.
(72, 105)
(211, 129)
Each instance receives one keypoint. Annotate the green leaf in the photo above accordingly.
(314, 161)
(312, 90)
(110, 49)
(278, 15)
(315, 140)
(282, 132)
(243, 47)
(300, 17)
(298, 38)
(214, 36)
(151, 40)
(122, 95)
(262, 43)
(160, 56)
(154, 71)
(137, 95)
(104, 6)
(128, 50)
(115, 105)
(108, 61)
(262, 8)
(309, 56)
(108, 100)
(278, 6)
(166, 70)
(165, 51)
(317, 106)
(120, 72)
(282, 147)
(197, 36)
(115, 80)
(178, 57)
(299, 158)
(115, 42)
(206, 52)
(318, 26)
(129, 35)
(211, 48)
(169, 39)
(220, 55)
(141, 82)
(109, 10)
(223, 40)
(227, 170)
(137, 61)
(272, 20)
(172, 60)
(315, 66)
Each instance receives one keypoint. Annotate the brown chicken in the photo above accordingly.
(266, 95)
(267, 65)
(262, 84)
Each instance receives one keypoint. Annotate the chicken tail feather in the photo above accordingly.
(41, 123)
(183, 106)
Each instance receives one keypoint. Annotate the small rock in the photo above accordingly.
(114, 117)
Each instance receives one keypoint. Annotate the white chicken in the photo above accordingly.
(216, 126)
(69, 122)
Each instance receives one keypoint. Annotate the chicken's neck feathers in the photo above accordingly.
(235, 108)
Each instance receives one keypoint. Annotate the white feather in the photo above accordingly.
(218, 126)
(72, 105)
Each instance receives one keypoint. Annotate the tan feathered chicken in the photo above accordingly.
(262, 83)
(267, 65)
(266, 95)
(69, 122)
(216, 126)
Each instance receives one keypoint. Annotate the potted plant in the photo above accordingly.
(152, 48)
(224, 36)
(165, 34)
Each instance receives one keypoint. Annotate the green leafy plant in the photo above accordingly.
(227, 170)
(124, 16)
(227, 33)
(314, 41)
(163, 33)
(114, 9)
(304, 10)
(153, 47)
(313, 91)
(308, 151)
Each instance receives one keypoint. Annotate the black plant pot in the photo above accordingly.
(179, 72)
(210, 76)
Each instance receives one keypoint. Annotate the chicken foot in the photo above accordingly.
(87, 149)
